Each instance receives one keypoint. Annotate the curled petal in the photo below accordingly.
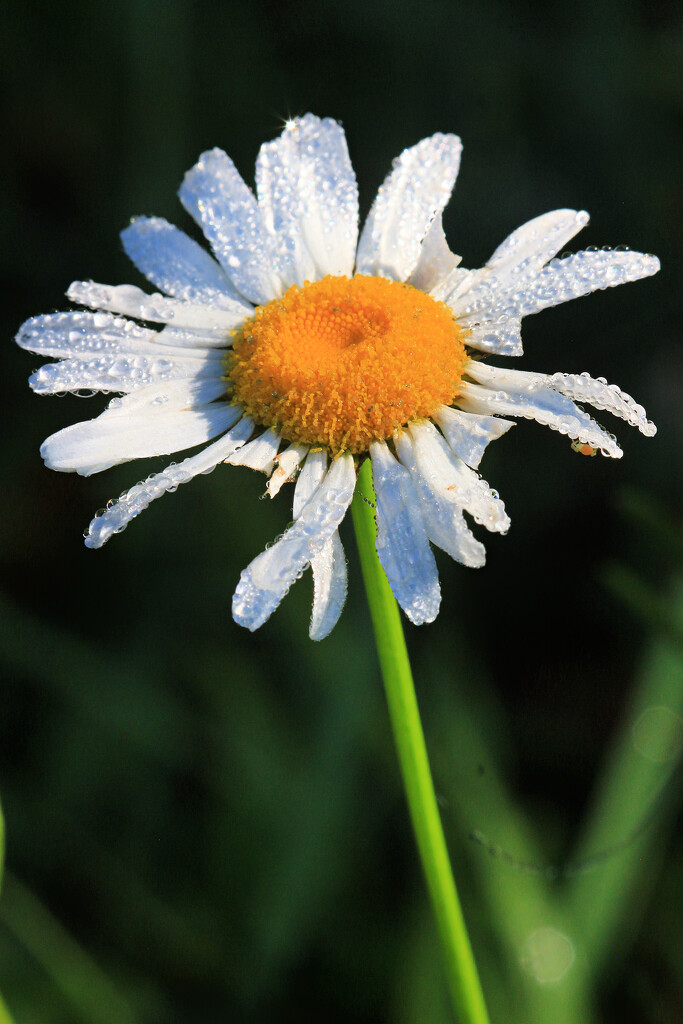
(259, 454)
(436, 265)
(287, 465)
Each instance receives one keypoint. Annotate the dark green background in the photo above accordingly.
(215, 817)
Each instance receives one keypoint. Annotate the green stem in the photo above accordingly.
(461, 969)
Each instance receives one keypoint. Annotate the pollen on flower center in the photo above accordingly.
(345, 361)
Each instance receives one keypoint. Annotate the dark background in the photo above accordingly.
(205, 824)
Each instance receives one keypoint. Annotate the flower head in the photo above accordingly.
(300, 350)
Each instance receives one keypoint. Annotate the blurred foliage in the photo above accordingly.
(207, 825)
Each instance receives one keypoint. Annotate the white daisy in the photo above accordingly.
(300, 350)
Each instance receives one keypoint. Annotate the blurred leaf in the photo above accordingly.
(2, 846)
(655, 522)
(655, 610)
(94, 998)
(635, 798)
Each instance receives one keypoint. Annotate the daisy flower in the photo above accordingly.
(300, 350)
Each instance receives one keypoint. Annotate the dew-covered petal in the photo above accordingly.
(536, 242)
(308, 200)
(468, 434)
(516, 262)
(436, 262)
(267, 579)
(258, 454)
(505, 377)
(443, 518)
(559, 281)
(329, 587)
(167, 395)
(544, 405)
(120, 372)
(501, 337)
(187, 338)
(309, 480)
(415, 191)
(174, 262)
(448, 475)
(134, 427)
(581, 387)
(214, 193)
(118, 514)
(287, 464)
(402, 541)
(577, 386)
(72, 334)
(132, 301)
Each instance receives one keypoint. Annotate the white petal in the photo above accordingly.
(448, 476)
(259, 453)
(169, 395)
(329, 587)
(121, 434)
(309, 480)
(543, 405)
(287, 463)
(187, 338)
(436, 262)
(516, 263)
(502, 337)
(402, 541)
(536, 242)
(443, 519)
(214, 193)
(505, 378)
(467, 434)
(174, 262)
(70, 334)
(132, 301)
(560, 281)
(416, 190)
(117, 515)
(116, 372)
(582, 388)
(308, 200)
(267, 579)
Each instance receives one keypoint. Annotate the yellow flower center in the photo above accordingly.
(345, 361)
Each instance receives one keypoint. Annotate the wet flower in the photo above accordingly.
(300, 350)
